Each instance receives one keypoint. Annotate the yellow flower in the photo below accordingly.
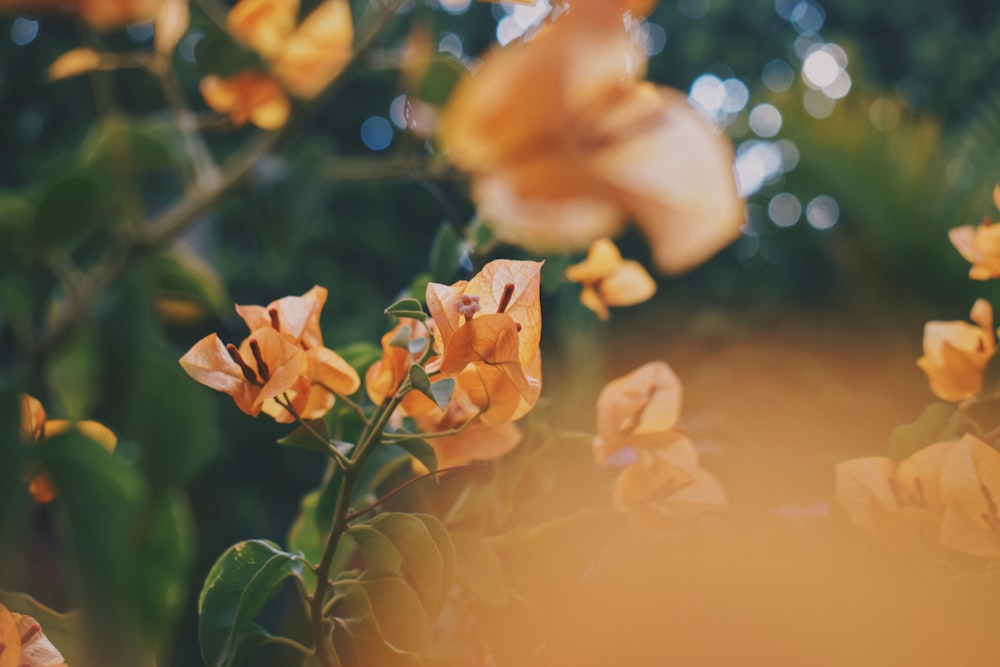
(248, 97)
(956, 353)
(609, 280)
(23, 644)
(489, 329)
(36, 427)
(306, 58)
(564, 144)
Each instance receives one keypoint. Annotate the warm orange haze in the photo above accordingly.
(281, 281)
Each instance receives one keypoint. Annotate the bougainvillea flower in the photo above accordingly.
(248, 97)
(23, 644)
(306, 58)
(99, 14)
(637, 409)
(295, 317)
(665, 479)
(901, 504)
(170, 24)
(74, 62)
(956, 353)
(980, 246)
(970, 490)
(489, 329)
(564, 144)
(36, 427)
(265, 366)
(609, 280)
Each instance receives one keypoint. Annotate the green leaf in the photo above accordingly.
(381, 554)
(423, 565)
(478, 568)
(446, 253)
(73, 375)
(421, 450)
(182, 274)
(307, 436)
(15, 223)
(395, 608)
(245, 577)
(307, 538)
(440, 391)
(145, 144)
(908, 439)
(12, 492)
(402, 337)
(442, 75)
(408, 307)
(69, 209)
(64, 630)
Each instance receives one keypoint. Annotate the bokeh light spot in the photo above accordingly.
(765, 120)
(23, 31)
(778, 76)
(694, 9)
(820, 68)
(455, 6)
(884, 114)
(376, 133)
(140, 32)
(784, 209)
(817, 104)
(822, 212)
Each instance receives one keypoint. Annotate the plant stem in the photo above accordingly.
(354, 515)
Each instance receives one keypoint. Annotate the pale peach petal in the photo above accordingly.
(96, 431)
(263, 25)
(318, 50)
(10, 639)
(297, 317)
(209, 363)
(970, 489)
(603, 257)
(36, 649)
(918, 477)
(32, 418)
(645, 402)
(864, 490)
(248, 97)
(170, 25)
(74, 62)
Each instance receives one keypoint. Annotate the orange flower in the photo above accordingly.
(564, 144)
(970, 490)
(306, 58)
(296, 318)
(99, 14)
(902, 503)
(23, 644)
(36, 427)
(477, 440)
(385, 376)
(665, 479)
(980, 245)
(609, 280)
(265, 366)
(956, 353)
(637, 409)
(489, 329)
(248, 97)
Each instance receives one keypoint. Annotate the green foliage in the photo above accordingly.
(244, 578)
(932, 426)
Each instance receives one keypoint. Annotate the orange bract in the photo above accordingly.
(305, 58)
(36, 427)
(23, 644)
(637, 409)
(248, 97)
(489, 330)
(609, 280)
(385, 376)
(956, 353)
(99, 14)
(564, 144)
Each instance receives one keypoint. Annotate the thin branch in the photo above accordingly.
(354, 515)
(331, 449)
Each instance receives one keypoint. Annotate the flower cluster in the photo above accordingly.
(956, 354)
(945, 496)
(564, 143)
(23, 644)
(303, 58)
(282, 367)
(980, 245)
(637, 417)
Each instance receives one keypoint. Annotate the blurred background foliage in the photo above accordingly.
(850, 194)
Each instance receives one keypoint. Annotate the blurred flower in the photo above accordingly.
(609, 280)
(667, 481)
(99, 14)
(23, 644)
(36, 427)
(489, 330)
(637, 417)
(564, 144)
(305, 59)
(980, 245)
(637, 410)
(901, 504)
(248, 97)
(74, 62)
(956, 353)
(970, 490)
(170, 24)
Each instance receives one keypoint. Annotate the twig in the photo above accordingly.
(354, 515)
